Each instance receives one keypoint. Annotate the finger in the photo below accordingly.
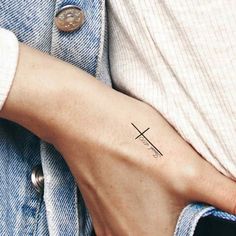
(215, 189)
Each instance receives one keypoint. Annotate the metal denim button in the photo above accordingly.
(69, 18)
(37, 178)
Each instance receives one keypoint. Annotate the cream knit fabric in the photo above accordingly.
(180, 57)
(8, 62)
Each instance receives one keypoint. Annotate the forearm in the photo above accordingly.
(40, 90)
(56, 100)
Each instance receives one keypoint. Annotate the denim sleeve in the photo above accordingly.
(9, 50)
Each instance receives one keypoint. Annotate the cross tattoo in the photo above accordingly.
(141, 134)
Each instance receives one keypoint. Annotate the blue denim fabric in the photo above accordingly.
(191, 214)
(61, 209)
(19, 202)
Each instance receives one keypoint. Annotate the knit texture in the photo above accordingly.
(180, 57)
(8, 62)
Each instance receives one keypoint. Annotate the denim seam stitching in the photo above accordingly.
(102, 38)
(52, 29)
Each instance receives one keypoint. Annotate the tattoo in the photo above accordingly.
(147, 142)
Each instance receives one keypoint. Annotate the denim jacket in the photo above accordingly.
(60, 209)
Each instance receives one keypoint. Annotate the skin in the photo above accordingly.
(126, 189)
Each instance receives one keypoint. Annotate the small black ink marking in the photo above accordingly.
(141, 136)
(142, 133)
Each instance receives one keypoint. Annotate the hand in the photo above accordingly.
(128, 191)
(128, 188)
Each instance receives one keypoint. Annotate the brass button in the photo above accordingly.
(37, 178)
(69, 18)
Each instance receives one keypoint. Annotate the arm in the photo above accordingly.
(124, 180)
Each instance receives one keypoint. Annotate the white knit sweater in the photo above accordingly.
(8, 62)
(180, 57)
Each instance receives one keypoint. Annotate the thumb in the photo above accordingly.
(215, 189)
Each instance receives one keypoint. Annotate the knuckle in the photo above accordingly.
(232, 200)
(191, 177)
(184, 180)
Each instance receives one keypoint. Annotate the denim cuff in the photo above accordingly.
(192, 213)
